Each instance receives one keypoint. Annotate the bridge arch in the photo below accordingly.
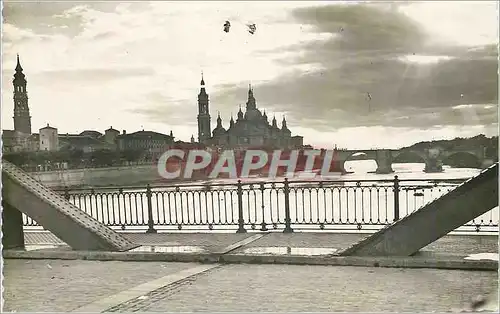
(410, 156)
(462, 159)
(366, 155)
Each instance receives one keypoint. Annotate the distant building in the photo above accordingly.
(91, 133)
(110, 136)
(83, 143)
(251, 129)
(11, 141)
(147, 141)
(48, 139)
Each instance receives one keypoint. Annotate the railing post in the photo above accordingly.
(241, 221)
(66, 193)
(396, 198)
(263, 225)
(288, 220)
(151, 228)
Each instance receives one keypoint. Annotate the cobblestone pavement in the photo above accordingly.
(67, 285)
(55, 285)
(274, 288)
(214, 241)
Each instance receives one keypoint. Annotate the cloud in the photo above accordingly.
(52, 18)
(109, 63)
(74, 76)
(138, 64)
(411, 81)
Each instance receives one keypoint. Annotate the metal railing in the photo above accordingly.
(284, 205)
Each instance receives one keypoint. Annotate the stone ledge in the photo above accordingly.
(443, 262)
(113, 256)
(388, 262)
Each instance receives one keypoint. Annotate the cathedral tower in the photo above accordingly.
(203, 114)
(22, 118)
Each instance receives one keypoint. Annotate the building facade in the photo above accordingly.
(147, 141)
(48, 138)
(110, 136)
(251, 128)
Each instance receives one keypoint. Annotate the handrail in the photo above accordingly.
(294, 182)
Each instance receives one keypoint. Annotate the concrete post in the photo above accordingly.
(12, 227)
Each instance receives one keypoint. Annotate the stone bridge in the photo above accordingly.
(433, 157)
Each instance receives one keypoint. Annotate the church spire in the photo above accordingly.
(203, 92)
(19, 75)
(19, 68)
(219, 119)
(240, 114)
(251, 105)
(283, 123)
(231, 122)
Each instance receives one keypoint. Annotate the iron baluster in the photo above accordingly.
(151, 228)
(288, 220)
(241, 220)
(263, 224)
(396, 198)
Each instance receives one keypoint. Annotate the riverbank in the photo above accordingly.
(105, 177)
(141, 175)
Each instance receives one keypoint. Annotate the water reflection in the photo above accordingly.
(169, 249)
(37, 247)
(287, 250)
(483, 256)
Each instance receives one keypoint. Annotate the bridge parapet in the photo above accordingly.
(432, 157)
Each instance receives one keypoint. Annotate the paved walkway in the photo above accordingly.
(212, 242)
(85, 286)
(113, 286)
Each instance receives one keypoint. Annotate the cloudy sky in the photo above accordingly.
(356, 75)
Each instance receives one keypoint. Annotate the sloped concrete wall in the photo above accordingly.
(119, 176)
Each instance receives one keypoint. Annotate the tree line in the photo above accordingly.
(477, 142)
(77, 158)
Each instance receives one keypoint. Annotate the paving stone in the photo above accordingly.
(465, 244)
(57, 286)
(67, 285)
(41, 238)
(158, 295)
(279, 288)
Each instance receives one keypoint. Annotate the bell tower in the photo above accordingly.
(203, 114)
(22, 118)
